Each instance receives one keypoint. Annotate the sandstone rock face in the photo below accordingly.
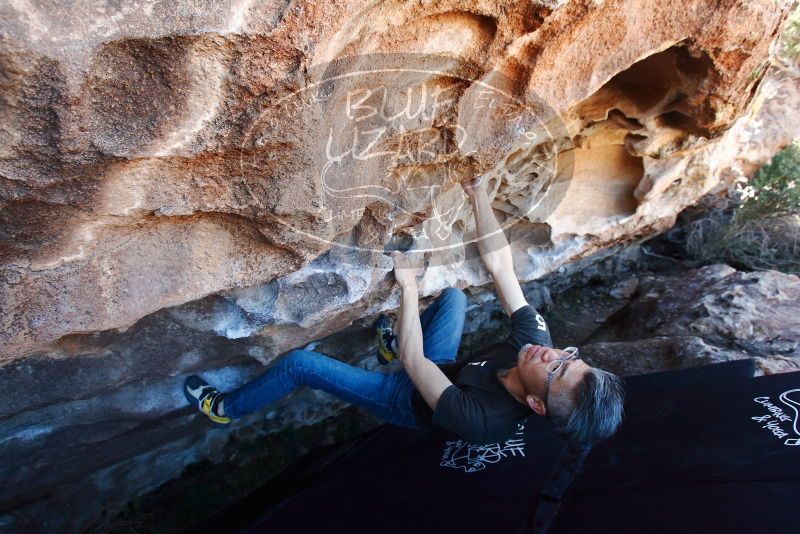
(153, 157)
(200, 186)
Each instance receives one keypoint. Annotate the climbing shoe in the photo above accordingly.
(387, 340)
(205, 398)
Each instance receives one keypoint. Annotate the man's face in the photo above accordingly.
(532, 362)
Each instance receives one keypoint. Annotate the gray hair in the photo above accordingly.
(592, 411)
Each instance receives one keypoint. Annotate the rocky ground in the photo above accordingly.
(703, 316)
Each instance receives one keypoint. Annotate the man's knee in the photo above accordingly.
(297, 363)
(454, 296)
(299, 358)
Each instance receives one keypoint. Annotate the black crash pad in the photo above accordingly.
(724, 459)
(687, 436)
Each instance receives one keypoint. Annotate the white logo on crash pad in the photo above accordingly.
(460, 454)
(777, 418)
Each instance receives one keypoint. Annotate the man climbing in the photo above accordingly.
(482, 398)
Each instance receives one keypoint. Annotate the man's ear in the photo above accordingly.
(536, 404)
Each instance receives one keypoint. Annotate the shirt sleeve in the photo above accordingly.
(528, 326)
(461, 414)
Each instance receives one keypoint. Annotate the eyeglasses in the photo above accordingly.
(570, 353)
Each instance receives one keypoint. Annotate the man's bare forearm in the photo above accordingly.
(492, 242)
(496, 252)
(429, 380)
(409, 330)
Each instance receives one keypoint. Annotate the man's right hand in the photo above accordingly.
(470, 187)
(493, 246)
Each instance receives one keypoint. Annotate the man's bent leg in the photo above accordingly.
(443, 324)
(386, 396)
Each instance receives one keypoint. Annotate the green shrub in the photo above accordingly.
(774, 190)
(760, 227)
(790, 38)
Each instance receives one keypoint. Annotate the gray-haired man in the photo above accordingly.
(482, 398)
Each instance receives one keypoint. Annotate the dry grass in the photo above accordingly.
(758, 229)
(756, 244)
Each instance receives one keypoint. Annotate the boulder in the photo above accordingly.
(711, 314)
(196, 186)
(158, 154)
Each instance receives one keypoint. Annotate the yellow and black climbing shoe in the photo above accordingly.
(205, 398)
(387, 340)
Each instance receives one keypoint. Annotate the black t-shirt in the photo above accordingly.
(477, 407)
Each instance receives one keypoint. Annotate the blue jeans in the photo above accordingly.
(385, 395)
